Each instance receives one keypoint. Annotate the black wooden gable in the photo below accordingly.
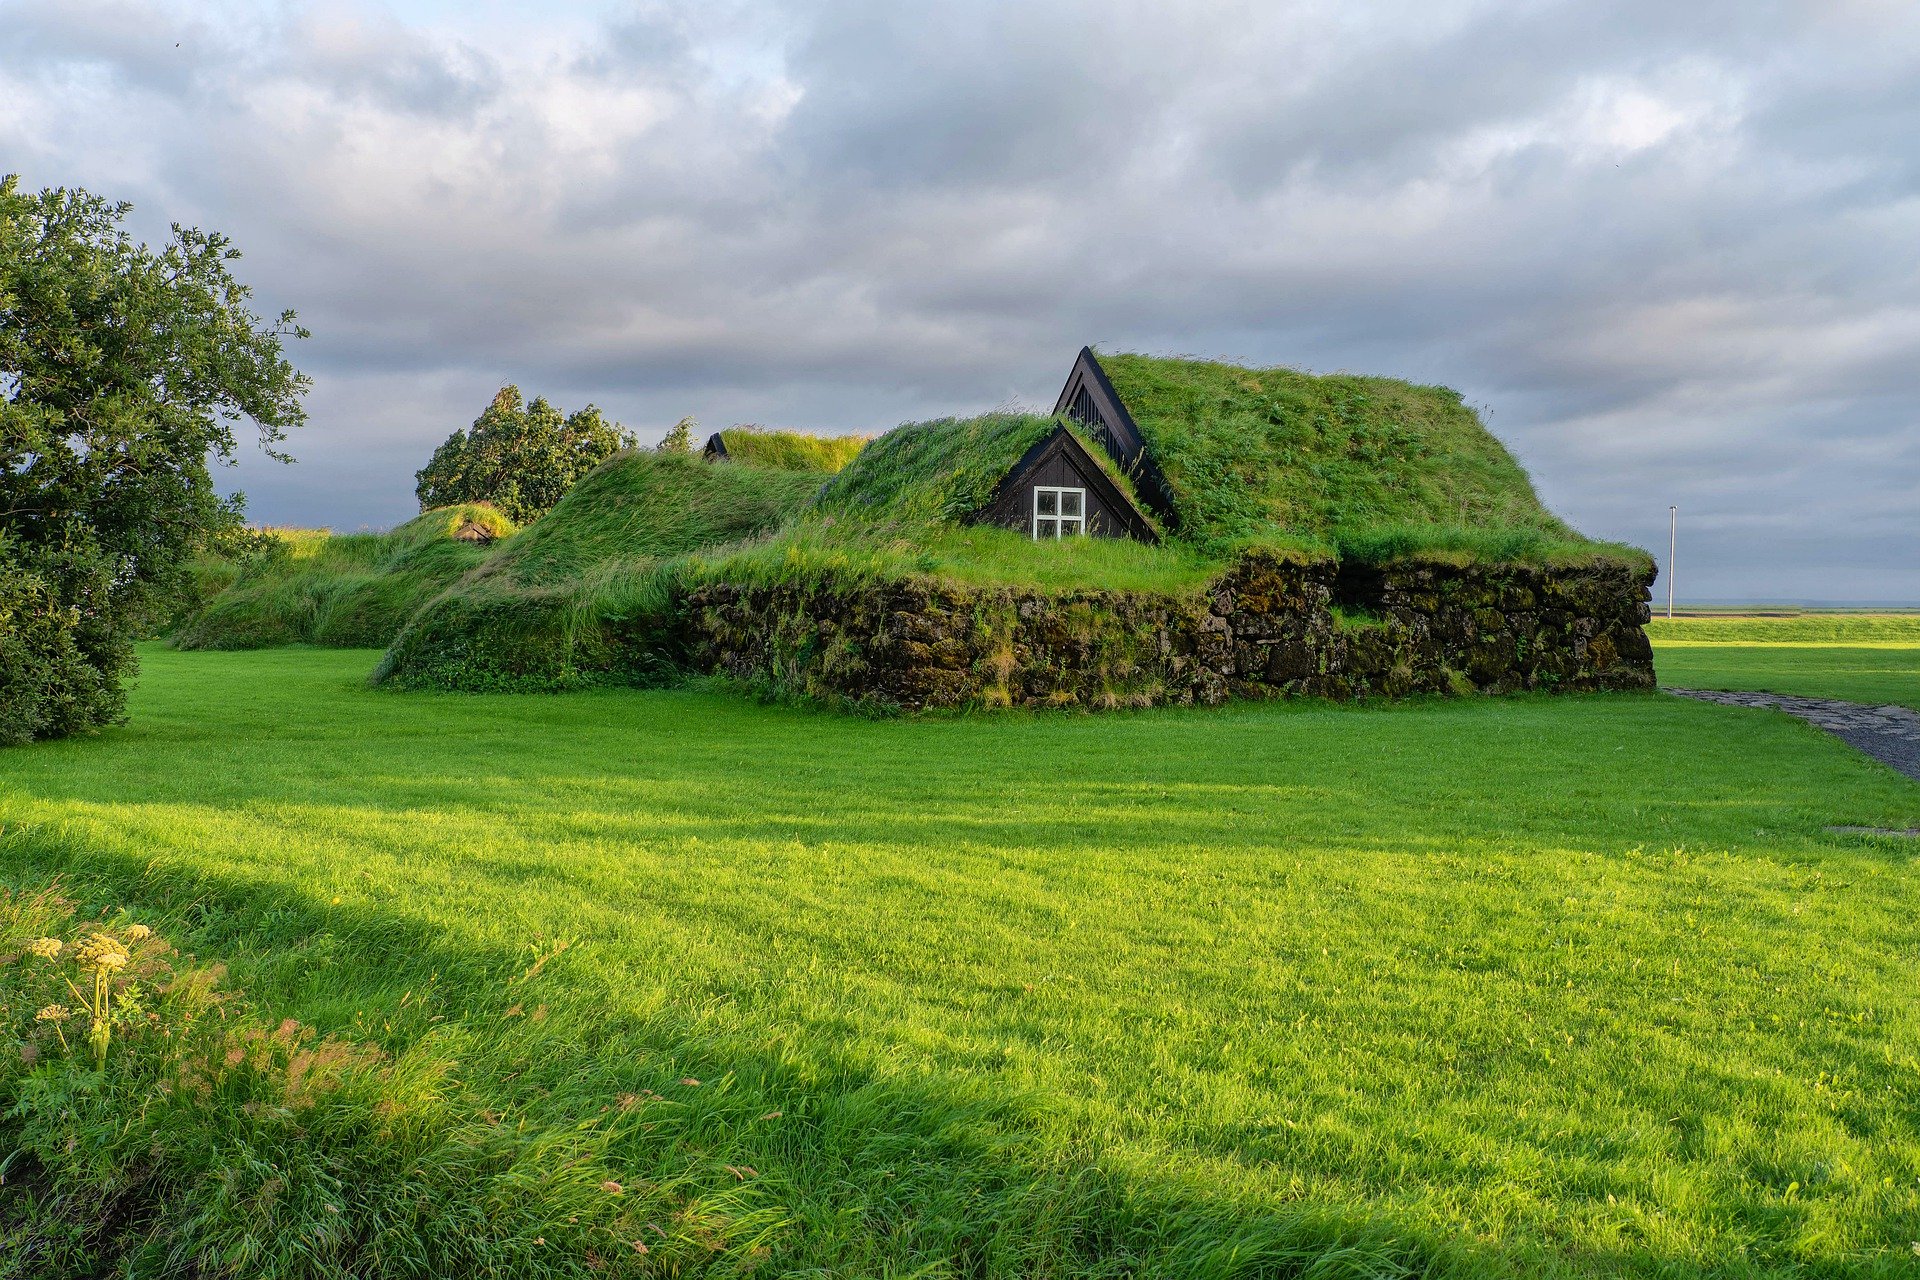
(1089, 399)
(716, 448)
(1059, 459)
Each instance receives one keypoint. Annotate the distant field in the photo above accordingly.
(1562, 987)
(1872, 658)
(1802, 628)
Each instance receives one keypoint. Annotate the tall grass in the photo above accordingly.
(343, 590)
(1444, 543)
(815, 552)
(642, 505)
(926, 474)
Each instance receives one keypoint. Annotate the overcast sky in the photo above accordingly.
(1672, 250)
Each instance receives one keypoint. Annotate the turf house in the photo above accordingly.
(1268, 532)
(1176, 531)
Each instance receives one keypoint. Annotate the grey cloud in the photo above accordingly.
(383, 64)
(1667, 246)
(140, 45)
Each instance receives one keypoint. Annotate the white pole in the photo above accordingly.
(1673, 537)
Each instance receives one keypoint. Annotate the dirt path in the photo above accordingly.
(1890, 734)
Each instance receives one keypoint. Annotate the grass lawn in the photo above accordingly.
(1871, 658)
(1569, 986)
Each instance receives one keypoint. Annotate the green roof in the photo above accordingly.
(1251, 453)
(790, 450)
(313, 586)
(944, 471)
(641, 505)
(1369, 469)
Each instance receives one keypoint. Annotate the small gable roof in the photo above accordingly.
(1009, 507)
(1089, 398)
(952, 470)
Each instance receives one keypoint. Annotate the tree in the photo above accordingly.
(679, 437)
(520, 457)
(124, 371)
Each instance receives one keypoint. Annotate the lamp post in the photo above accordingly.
(1673, 535)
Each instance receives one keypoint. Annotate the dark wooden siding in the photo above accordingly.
(1060, 461)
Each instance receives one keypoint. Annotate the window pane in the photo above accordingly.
(1049, 502)
(1070, 502)
(1046, 529)
(1068, 527)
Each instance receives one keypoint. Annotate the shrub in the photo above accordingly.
(59, 658)
(679, 437)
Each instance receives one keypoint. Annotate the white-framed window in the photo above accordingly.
(1058, 512)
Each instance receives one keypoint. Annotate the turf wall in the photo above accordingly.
(1269, 627)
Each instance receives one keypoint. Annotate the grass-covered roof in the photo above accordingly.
(643, 505)
(1365, 468)
(1339, 459)
(790, 450)
(944, 471)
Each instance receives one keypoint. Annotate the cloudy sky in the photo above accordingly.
(1671, 249)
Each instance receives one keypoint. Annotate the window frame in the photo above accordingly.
(1056, 517)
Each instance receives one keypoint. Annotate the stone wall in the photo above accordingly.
(1268, 627)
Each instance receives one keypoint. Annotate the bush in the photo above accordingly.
(60, 651)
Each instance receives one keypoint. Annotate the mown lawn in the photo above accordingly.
(1570, 986)
(1871, 658)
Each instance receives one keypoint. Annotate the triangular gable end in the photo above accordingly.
(1089, 399)
(1112, 513)
(716, 448)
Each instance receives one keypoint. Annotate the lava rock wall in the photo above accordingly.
(1268, 627)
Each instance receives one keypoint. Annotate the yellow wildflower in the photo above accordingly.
(138, 933)
(101, 952)
(53, 1013)
(45, 948)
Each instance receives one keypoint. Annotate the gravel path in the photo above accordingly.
(1889, 734)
